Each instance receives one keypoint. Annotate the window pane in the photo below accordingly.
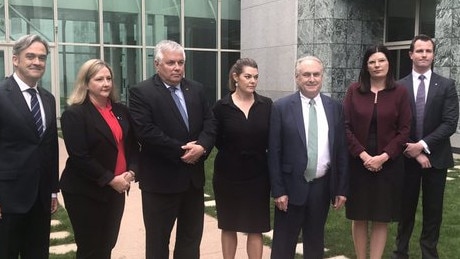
(78, 21)
(401, 20)
(127, 68)
(403, 64)
(230, 24)
(2, 19)
(70, 60)
(227, 60)
(163, 21)
(122, 22)
(201, 66)
(201, 24)
(427, 17)
(31, 17)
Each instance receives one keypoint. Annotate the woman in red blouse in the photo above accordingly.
(102, 152)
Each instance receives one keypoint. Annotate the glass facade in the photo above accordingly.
(124, 34)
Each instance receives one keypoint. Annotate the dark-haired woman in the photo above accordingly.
(241, 184)
(377, 118)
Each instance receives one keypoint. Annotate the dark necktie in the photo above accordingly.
(420, 108)
(35, 110)
(179, 105)
(312, 145)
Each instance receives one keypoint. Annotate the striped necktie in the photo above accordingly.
(35, 110)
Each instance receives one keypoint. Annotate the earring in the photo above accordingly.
(236, 84)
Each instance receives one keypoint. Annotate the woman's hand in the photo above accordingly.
(119, 183)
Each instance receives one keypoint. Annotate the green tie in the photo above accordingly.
(312, 146)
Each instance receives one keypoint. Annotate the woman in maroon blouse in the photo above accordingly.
(102, 160)
(377, 118)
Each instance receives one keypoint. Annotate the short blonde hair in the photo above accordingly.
(86, 72)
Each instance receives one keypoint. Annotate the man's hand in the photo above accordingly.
(282, 202)
(193, 152)
(339, 202)
(0, 212)
(54, 205)
(423, 160)
(413, 150)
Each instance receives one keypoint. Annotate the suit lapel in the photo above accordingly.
(296, 109)
(432, 90)
(99, 123)
(328, 109)
(18, 101)
(46, 102)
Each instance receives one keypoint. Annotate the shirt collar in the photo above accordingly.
(23, 86)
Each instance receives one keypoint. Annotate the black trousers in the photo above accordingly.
(161, 211)
(26, 235)
(95, 223)
(310, 217)
(432, 182)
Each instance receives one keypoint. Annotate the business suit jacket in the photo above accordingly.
(162, 132)
(288, 156)
(28, 162)
(440, 119)
(92, 149)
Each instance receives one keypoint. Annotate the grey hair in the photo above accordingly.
(167, 45)
(25, 41)
(305, 58)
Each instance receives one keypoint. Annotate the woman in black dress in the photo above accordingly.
(377, 119)
(241, 184)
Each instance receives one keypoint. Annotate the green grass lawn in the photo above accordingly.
(338, 229)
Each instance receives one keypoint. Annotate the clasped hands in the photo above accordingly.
(414, 150)
(122, 182)
(193, 152)
(373, 163)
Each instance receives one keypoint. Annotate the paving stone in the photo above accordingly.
(63, 249)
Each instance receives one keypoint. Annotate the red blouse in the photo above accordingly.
(117, 132)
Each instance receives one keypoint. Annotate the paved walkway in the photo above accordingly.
(131, 240)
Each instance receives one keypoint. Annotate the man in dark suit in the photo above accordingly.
(429, 153)
(175, 127)
(305, 182)
(28, 155)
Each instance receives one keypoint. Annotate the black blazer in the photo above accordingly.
(440, 119)
(162, 132)
(287, 151)
(92, 149)
(28, 163)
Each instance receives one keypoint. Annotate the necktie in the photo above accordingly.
(179, 105)
(312, 146)
(420, 108)
(35, 110)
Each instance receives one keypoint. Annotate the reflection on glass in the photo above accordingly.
(30, 17)
(427, 17)
(227, 61)
(400, 20)
(2, 64)
(70, 60)
(78, 21)
(201, 66)
(230, 23)
(2, 21)
(201, 24)
(127, 68)
(403, 64)
(122, 22)
(163, 21)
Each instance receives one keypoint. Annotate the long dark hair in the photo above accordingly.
(365, 77)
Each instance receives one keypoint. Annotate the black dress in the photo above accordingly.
(241, 184)
(375, 196)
